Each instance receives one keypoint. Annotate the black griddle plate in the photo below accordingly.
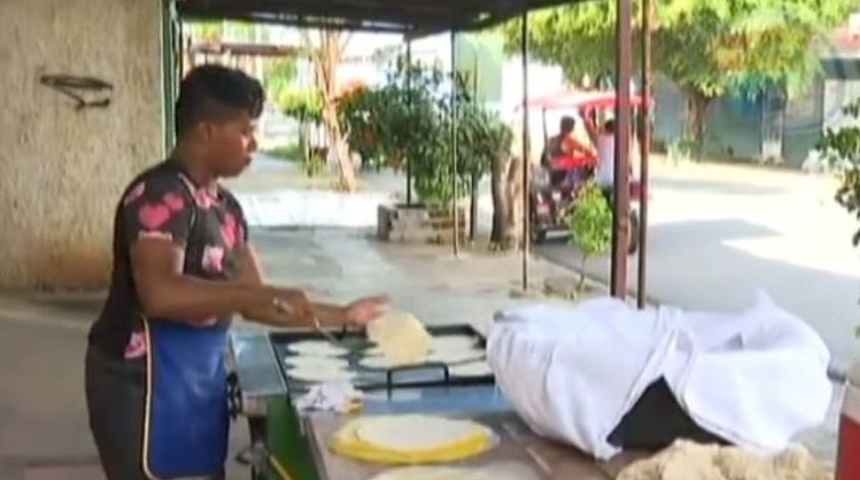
(412, 376)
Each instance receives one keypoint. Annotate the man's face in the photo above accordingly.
(230, 145)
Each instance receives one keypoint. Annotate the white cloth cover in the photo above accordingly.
(755, 379)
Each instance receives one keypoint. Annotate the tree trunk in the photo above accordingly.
(514, 192)
(327, 56)
(499, 188)
(473, 206)
(697, 109)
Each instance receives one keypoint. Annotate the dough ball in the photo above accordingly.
(685, 460)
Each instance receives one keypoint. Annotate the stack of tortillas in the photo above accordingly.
(446, 473)
(686, 460)
(400, 337)
(411, 439)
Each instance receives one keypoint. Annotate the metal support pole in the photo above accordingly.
(524, 47)
(623, 131)
(454, 167)
(644, 154)
(409, 99)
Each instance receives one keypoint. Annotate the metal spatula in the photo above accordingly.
(328, 336)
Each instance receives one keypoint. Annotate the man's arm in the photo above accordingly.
(155, 217)
(164, 292)
(251, 273)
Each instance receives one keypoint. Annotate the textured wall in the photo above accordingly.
(60, 169)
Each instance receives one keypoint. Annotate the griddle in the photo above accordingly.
(418, 376)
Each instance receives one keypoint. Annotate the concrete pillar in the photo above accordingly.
(61, 170)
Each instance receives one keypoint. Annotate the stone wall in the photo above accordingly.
(61, 170)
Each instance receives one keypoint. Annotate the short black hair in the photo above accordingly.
(609, 125)
(567, 124)
(215, 93)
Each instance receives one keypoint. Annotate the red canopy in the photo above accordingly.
(568, 98)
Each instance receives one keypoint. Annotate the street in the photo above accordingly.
(719, 233)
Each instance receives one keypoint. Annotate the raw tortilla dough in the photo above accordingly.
(323, 363)
(415, 433)
(401, 337)
(316, 348)
(446, 343)
(479, 368)
(442, 473)
(320, 374)
(686, 460)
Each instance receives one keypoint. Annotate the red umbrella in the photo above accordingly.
(574, 99)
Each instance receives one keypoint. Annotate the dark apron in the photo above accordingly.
(186, 418)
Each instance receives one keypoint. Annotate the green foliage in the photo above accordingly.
(359, 114)
(706, 47)
(842, 149)
(481, 138)
(279, 77)
(589, 222)
(303, 105)
(409, 119)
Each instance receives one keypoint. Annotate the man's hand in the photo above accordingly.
(365, 310)
(293, 302)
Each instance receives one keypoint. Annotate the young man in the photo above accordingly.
(183, 266)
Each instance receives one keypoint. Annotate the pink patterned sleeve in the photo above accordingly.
(157, 207)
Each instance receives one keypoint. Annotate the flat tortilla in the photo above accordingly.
(382, 362)
(316, 348)
(456, 356)
(417, 433)
(452, 342)
(447, 473)
(323, 363)
(478, 368)
(320, 374)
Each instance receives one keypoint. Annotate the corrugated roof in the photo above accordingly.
(410, 17)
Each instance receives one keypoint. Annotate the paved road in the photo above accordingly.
(719, 233)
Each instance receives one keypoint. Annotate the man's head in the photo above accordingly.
(216, 114)
(567, 125)
(609, 126)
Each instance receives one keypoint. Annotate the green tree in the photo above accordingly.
(279, 77)
(304, 106)
(706, 48)
(590, 226)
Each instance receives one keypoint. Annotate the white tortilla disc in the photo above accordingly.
(444, 473)
(320, 374)
(323, 363)
(417, 432)
(316, 348)
(478, 368)
(455, 342)
(455, 356)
